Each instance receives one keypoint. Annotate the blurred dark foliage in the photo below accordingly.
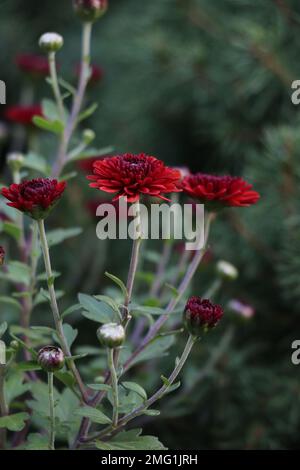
(205, 85)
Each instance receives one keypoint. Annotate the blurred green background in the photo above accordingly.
(204, 84)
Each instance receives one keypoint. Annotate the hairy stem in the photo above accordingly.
(52, 412)
(55, 310)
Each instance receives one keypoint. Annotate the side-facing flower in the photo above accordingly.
(23, 114)
(2, 255)
(132, 175)
(201, 315)
(36, 197)
(90, 10)
(37, 66)
(51, 358)
(220, 191)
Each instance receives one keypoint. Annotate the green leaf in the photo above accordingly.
(95, 310)
(66, 378)
(87, 112)
(100, 387)
(36, 441)
(17, 272)
(70, 334)
(157, 348)
(91, 152)
(57, 236)
(3, 328)
(119, 283)
(134, 387)
(50, 110)
(70, 310)
(151, 412)
(96, 416)
(37, 163)
(109, 301)
(13, 230)
(56, 126)
(10, 301)
(27, 366)
(147, 310)
(15, 422)
(131, 440)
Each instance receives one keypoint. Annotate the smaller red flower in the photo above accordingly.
(35, 65)
(23, 114)
(36, 197)
(96, 76)
(2, 255)
(132, 175)
(220, 191)
(201, 315)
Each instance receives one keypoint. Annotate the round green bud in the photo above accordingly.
(14, 345)
(51, 42)
(88, 136)
(111, 335)
(227, 271)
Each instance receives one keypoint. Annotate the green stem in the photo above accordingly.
(55, 85)
(157, 396)
(78, 100)
(52, 412)
(55, 310)
(3, 405)
(114, 383)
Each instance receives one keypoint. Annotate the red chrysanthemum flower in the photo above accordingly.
(220, 191)
(132, 175)
(96, 75)
(35, 65)
(201, 315)
(36, 197)
(23, 114)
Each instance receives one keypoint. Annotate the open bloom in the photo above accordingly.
(132, 175)
(201, 315)
(23, 114)
(35, 65)
(220, 191)
(35, 197)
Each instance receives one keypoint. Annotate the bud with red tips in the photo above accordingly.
(90, 10)
(51, 358)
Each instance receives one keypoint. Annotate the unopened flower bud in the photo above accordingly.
(90, 10)
(111, 335)
(15, 161)
(2, 255)
(51, 42)
(201, 315)
(227, 271)
(14, 345)
(244, 311)
(51, 358)
(88, 136)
